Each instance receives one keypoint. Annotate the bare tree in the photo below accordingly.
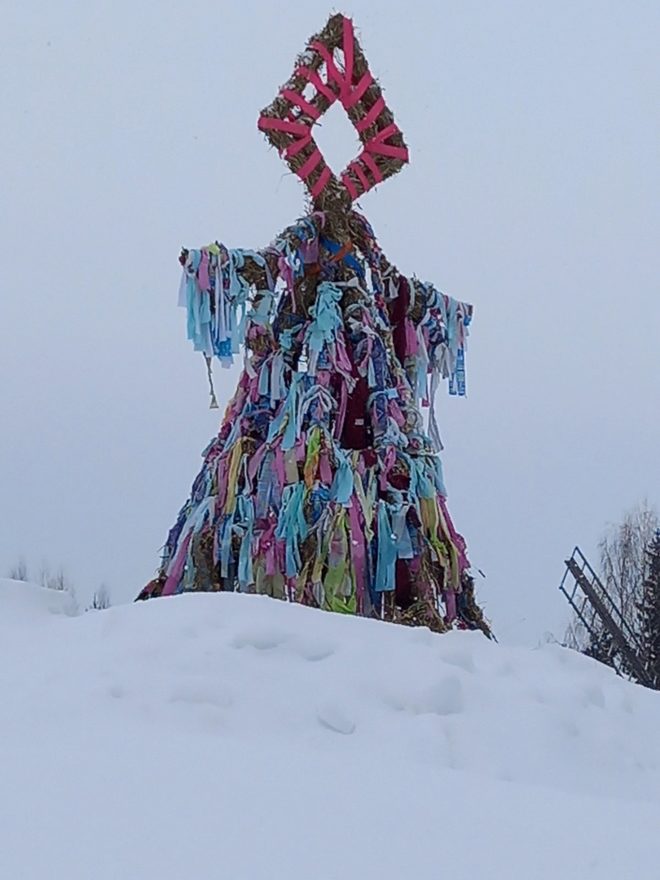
(100, 600)
(19, 572)
(624, 562)
(624, 559)
(59, 581)
(649, 612)
(56, 580)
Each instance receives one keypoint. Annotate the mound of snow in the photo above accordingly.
(234, 736)
(23, 603)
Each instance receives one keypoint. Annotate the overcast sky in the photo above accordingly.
(129, 129)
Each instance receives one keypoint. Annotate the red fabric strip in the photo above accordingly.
(267, 123)
(379, 149)
(350, 186)
(304, 105)
(359, 90)
(309, 164)
(298, 145)
(324, 178)
(382, 135)
(313, 77)
(333, 73)
(372, 165)
(377, 144)
(356, 168)
(372, 115)
(348, 59)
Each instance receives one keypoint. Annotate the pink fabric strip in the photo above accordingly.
(333, 73)
(318, 187)
(377, 144)
(350, 186)
(203, 272)
(299, 101)
(255, 462)
(344, 81)
(174, 577)
(298, 145)
(267, 123)
(359, 90)
(348, 59)
(254, 389)
(395, 412)
(386, 467)
(412, 343)
(267, 548)
(341, 415)
(372, 115)
(386, 132)
(356, 167)
(309, 164)
(389, 150)
(372, 165)
(325, 471)
(357, 551)
(342, 360)
(313, 77)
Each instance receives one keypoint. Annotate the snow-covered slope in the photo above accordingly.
(237, 737)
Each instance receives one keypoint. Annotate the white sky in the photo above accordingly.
(129, 129)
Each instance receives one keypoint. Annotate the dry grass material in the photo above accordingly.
(335, 197)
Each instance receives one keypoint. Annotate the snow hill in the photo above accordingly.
(228, 736)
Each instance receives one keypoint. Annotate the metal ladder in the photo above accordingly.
(587, 589)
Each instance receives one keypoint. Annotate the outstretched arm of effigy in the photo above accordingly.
(237, 296)
(430, 327)
(224, 288)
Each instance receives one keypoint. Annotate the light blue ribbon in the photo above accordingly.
(342, 485)
(245, 513)
(386, 562)
(292, 526)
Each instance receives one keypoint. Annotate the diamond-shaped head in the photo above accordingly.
(333, 68)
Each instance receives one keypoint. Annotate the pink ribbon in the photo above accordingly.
(267, 548)
(174, 576)
(388, 464)
(325, 471)
(341, 415)
(301, 102)
(203, 272)
(255, 462)
(412, 343)
(358, 554)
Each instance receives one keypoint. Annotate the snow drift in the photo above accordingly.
(236, 736)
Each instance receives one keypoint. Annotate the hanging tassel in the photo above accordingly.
(214, 401)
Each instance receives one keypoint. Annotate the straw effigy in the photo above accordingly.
(324, 485)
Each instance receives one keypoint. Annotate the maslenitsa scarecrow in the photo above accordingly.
(324, 486)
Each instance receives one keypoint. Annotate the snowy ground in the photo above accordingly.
(237, 737)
